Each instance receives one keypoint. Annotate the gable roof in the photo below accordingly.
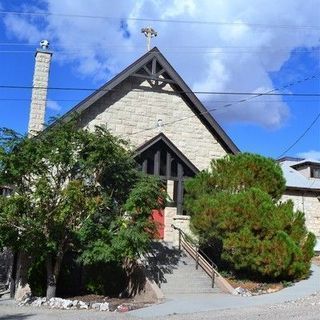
(155, 57)
(295, 179)
(162, 137)
(306, 162)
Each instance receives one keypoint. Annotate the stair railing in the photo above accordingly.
(193, 249)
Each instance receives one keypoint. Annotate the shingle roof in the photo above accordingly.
(295, 179)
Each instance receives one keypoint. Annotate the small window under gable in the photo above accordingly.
(315, 172)
(308, 168)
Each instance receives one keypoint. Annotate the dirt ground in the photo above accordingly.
(256, 288)
(145, 298)
(316, 260)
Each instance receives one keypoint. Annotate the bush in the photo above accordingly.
(259, 235)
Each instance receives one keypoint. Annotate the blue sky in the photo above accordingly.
(253, 50)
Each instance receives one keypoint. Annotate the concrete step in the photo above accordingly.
(176, 273)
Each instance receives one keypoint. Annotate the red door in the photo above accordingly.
(158, 217)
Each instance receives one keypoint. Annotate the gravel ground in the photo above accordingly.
(303, 309)
(307, 308)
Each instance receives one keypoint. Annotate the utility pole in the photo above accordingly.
(149, 33)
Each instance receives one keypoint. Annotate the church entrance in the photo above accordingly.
(158, 217)
(160, 157)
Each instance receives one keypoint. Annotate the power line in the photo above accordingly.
(301, 136)
(201, 22)
(258, 94)
(216, 101)
(232, 104)
(250, 94)
(168, 51)
(79, 45)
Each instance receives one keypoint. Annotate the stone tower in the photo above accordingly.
(40, 88)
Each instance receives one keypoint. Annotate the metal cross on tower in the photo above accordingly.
(149, 33)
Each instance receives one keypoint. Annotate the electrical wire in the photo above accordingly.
(270, 92)
(201, 22)
(295, 52)
(215, 101)
(301, 136)
(108, 45)
(258, 94)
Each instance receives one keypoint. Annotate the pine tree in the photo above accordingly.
(237, 204)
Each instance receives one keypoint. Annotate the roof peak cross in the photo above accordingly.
(149, 32)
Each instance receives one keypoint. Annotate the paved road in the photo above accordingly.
(180, 304)
(297, 302)
(307, 308)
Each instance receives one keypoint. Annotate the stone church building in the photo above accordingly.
(172, 133)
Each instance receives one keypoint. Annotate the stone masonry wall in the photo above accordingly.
(132, 111)
(310, 205)
(134, 107)
(39, 96)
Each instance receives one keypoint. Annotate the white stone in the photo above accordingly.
(37, 303)
(96, 306)
(83, 305)
(66, 304)
(104, 306)
(74, 303)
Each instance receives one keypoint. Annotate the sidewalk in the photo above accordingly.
(179, 304)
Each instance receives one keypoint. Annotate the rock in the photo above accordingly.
(271, 290)
(122, 308)
(96, 306)
(28, 300)
(44, 301)
(55, 303)
(22, 292)
(83, 305)
(67, 304)
(104, 306)
(242, 292)
(75, 303)
(37, 303)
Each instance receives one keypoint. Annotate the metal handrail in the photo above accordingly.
(197, 251)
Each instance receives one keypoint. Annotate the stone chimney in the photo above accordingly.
(40, 88)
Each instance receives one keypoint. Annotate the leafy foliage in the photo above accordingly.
(240, 208)
(128, 233)
(74, 190)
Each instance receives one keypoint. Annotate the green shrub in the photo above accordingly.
(239, 208)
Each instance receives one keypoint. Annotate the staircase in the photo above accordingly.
(183, 269)
(186, 279)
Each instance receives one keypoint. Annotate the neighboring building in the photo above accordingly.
(174, 136)
(303, 188)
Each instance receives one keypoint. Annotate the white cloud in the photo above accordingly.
(53, 105)
(247, 54)
(312, 154)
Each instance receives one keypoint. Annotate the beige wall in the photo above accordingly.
(310, 205)
(172, 218)
(306, 171)
(126, 111)
(134, 107)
